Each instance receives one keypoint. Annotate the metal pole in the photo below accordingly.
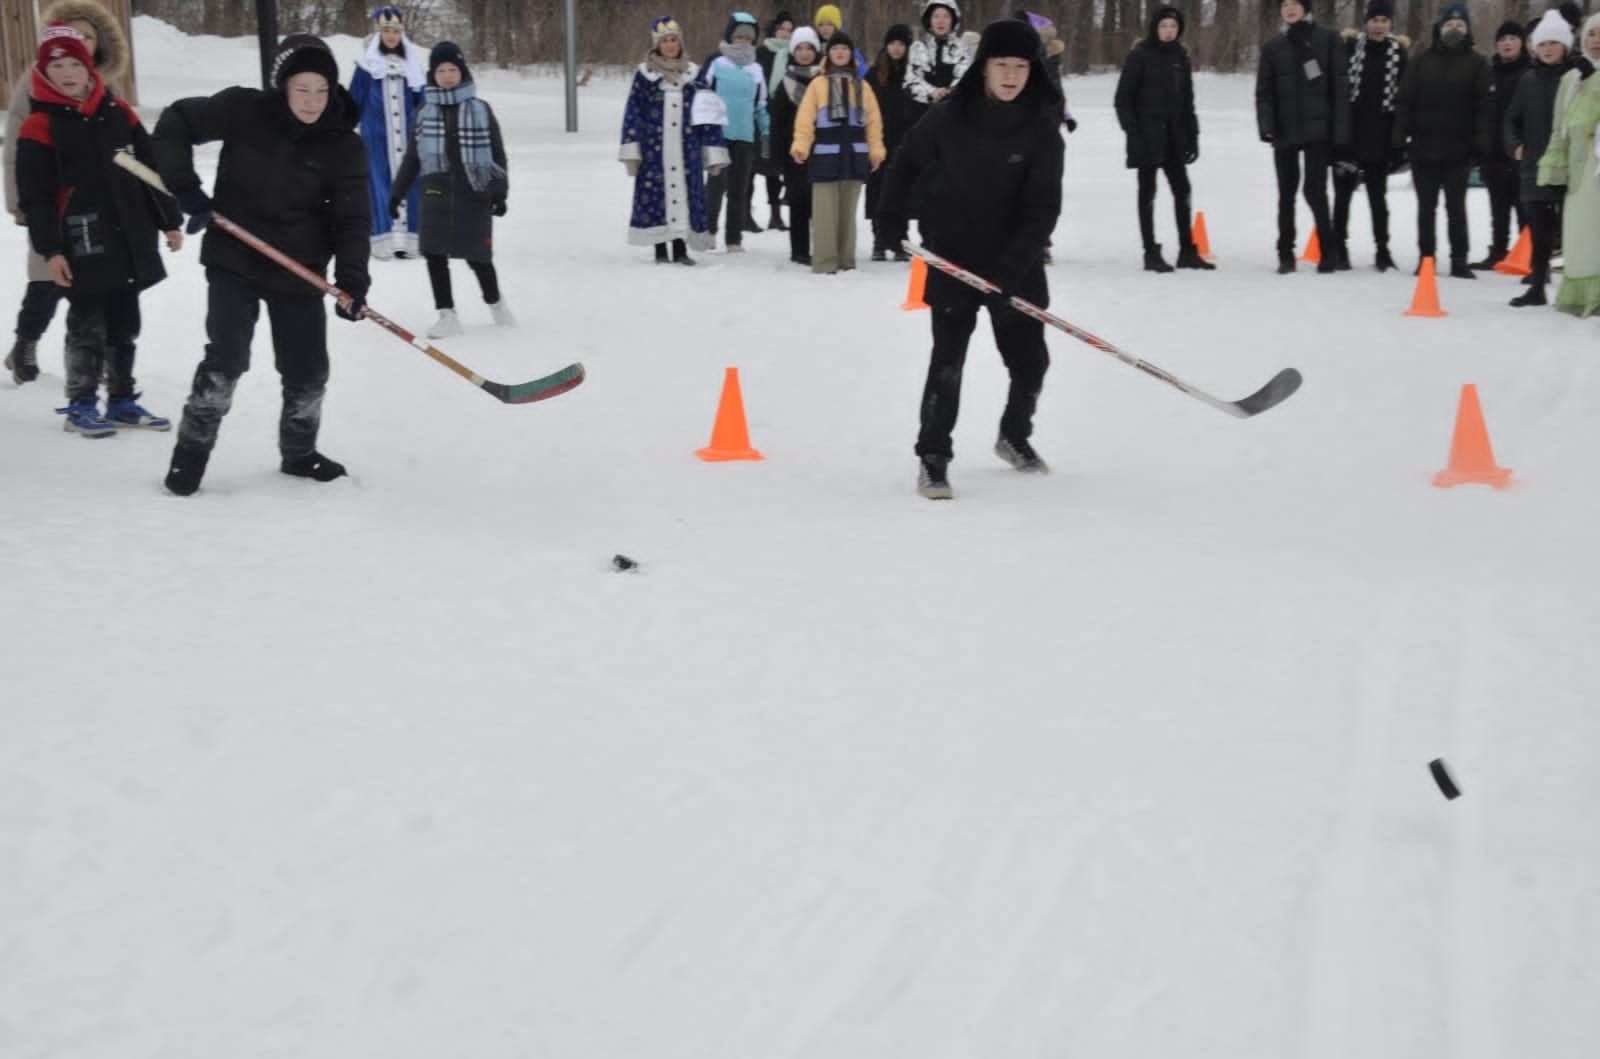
(267, 36)
(571, 11)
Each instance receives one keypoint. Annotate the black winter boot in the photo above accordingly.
(775, 221)
(1286, 264)
(1534, 295)
(1189, 257)
(188, 466)
(313, 465)
(1459, 269)
(1384, 262)
(1490, 260)
(680, 253)
(1341, 260)
(1153, 261)
(23, 362)
(661, 253)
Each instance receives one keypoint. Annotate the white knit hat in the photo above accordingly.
(805, 35)
(1552, 27)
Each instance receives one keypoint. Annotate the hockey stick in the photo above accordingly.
(520, 393)
(1277, 390)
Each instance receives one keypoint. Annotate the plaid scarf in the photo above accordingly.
(1391, 70)
(472, 129)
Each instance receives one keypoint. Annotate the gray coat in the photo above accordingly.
(456, 220)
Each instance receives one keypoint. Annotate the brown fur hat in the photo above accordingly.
(111, 47)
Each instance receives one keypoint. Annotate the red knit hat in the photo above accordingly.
(61, 41)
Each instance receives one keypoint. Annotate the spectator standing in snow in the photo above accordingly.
(293, 171)
(1444, 120)
(461, 159)
(94, 224)
(773, 57)
(1155, 107)
(838, 133)
(1526, 133)
(828, 21)
(1498, 169)
(108, 49)
(1571, 161)
(666, 151)
(1377, 61)
(805, 54)
(1303, 113)
(941, 57)
(899, 111)
(736, 77)
(387, 87)
(996, 144)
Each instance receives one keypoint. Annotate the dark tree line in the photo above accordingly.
(1221, 34)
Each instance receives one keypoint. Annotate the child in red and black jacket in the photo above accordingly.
(94, 224)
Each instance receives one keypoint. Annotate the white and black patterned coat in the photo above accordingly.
(933, 63)
(1376, 67)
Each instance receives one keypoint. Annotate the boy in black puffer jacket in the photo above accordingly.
(1444, 120)
(293, 171)
(991, 154)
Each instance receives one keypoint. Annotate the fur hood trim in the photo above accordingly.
(111, 50)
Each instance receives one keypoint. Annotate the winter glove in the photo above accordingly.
(197, 204)
(498, 208)
(357, 307)
(1585, 67)
(632, 166)
(1346, 168)
(394, 209)
(1072, 124)
(1192, 155)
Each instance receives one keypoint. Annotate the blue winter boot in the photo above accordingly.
(83, 416)
(126, 412)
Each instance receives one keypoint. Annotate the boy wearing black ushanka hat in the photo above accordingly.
(292, 171)
(996, 146)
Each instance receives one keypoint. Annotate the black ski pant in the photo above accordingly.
(300, 352)
(439, 277)
(731, 184)
(798, 182)
(1375, 176)
(1430, 179)
(1544, 221)
(1020, 340)
(102, 333)
(1287, 162)
(1178, 183)
(39, 303)
(1503, 178)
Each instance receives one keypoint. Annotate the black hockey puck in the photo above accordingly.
(1441, 776)
(622, 562)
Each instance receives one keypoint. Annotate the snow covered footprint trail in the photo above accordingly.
(1397, 960)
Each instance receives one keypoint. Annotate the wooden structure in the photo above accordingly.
(19, 35)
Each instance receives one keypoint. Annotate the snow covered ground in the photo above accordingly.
(1127, 761)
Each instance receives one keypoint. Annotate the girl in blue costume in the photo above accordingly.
(671, 135)
(387, 86)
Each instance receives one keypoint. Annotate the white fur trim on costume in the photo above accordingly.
(377, 63)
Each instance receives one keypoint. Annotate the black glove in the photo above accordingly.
(1072, 124)
(498, 208)
(357, 306)
(1192, 156)
(1266, 137)
(197, 204)
(1585, 67)
(394, 209)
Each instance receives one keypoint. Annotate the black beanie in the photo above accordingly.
(303, 54)
(1379, 9)
(448, 52)
(839, 37)
(897, 32)
(1163, 13)
(1007, 38)
(1508, 28)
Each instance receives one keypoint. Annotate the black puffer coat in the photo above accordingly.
(987, 180)
(1501, 87)
(1372, 113)
(1155, 102)
(1443, 112)
(1293, 108)
(77, 203)
(457, 221)
(302, 188)
(1529, 120)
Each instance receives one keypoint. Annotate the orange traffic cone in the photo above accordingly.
(1471, 458)
(1425, 299)
(919, 281)
(1199, 236)
(730, 437)
(1313, 251)
(1520, 261)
